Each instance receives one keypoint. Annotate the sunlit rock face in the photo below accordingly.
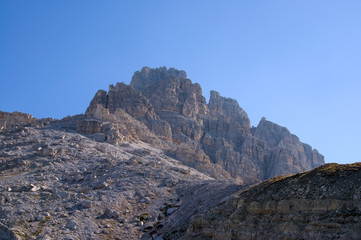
(217, 135)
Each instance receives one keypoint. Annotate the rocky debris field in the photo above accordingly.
(58, 184)
(321, 204)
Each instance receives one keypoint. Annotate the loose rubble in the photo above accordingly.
(85, 189)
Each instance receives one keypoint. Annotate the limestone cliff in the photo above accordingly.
(286, 152)
(216, 134)
(122, 96)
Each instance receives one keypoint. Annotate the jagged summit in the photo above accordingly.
(164, 108)
(214, 137)
(147, 76)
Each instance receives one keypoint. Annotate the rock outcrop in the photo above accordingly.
(147, 76)
(213, 137)
(321, 204)
(122, 96)
(287, 153)
(14, 120)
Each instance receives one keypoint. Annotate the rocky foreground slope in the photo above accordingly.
(58, 184)
(321, 204)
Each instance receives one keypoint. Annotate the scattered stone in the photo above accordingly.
(101, 185)
(63, 195)
(72, 225)
(144, 217)
(146, 200)
(46, 151)
(58, 209)
(86, 204)
(68, 206)
(2, 200)
(111, 213)
(34, 188)
(40, 218)
(85, 189)
(170, 211)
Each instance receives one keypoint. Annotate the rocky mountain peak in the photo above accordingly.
(214, 137)
(123, 96)
(226, 108)
(148, 76)
(270, 132)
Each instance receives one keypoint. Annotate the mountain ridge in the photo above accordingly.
(173, 107)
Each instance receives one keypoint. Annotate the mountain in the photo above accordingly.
(214, 137)
(146, 160)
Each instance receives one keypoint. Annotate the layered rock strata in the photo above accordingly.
(321, 204)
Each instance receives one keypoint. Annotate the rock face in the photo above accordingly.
(131, 101)
(321, 204)
(284, 147)
(14, 120)
(216, 137)
(147, 76)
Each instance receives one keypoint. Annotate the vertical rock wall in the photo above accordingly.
(216, 134)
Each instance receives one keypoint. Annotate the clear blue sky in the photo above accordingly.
(298, 63)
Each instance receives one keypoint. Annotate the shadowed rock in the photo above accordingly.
(321, 204)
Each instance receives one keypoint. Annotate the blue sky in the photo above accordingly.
(298, 63)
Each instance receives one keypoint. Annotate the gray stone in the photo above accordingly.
(171, 210)
(86, 204)
(72, 225)
(111, 213)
